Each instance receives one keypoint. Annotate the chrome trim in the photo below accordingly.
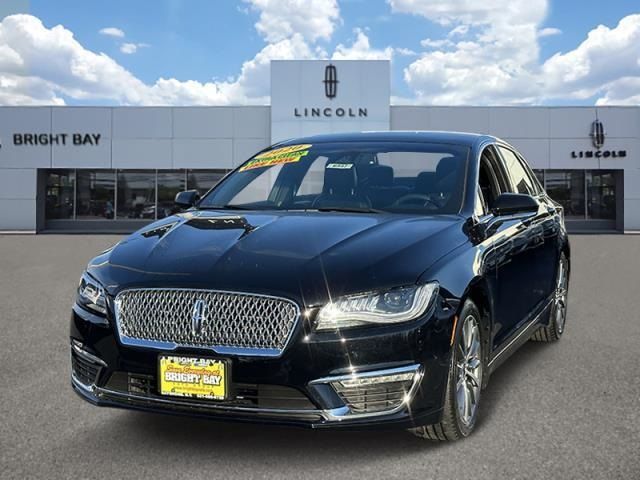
(524, 330)
(76, 382)
(345, 413)
(77, 348)
(99, 393)
(221, 350)
(338, 414)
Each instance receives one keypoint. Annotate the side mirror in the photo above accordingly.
(187, 199)
(514, 203)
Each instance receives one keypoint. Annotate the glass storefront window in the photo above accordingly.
(567, 188)
(601, 194)
(169, 184)
(136, 194)
(203, 180)
(95, 195)
(60, 192)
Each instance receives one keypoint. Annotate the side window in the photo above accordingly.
(537, 183)
(490, 181)
(480, 209)
(519, 176)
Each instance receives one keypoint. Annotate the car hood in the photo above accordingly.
(308, 256)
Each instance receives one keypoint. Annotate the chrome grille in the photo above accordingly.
(228, 323)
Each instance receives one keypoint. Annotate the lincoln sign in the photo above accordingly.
(330, 91)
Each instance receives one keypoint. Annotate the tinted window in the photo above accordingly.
(136, 194)
(203, 180)
(519, 175)
(169, 184)
(567, 188)
(95, 195)
(601, 194)
(396, 177)
(60, 193)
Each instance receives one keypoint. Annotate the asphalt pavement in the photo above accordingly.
(566, 410)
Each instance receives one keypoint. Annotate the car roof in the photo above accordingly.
(457, 138)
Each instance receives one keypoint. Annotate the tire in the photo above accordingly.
(466, 370)
(558, 317)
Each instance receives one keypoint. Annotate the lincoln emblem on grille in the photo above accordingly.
(330, 81)
(200, 310)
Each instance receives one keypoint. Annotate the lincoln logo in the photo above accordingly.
(330, 81)
(200, 310)
(597, 134)
(597, 138)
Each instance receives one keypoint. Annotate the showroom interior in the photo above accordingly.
(114, 169)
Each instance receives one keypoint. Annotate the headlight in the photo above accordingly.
(390, 306)
(91, 294)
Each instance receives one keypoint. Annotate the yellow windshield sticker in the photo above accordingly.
(277, 156)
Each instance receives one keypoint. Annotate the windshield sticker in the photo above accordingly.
(277, 156)
(340, 166)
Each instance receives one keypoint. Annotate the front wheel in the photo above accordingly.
(464, 384)
(553, 331)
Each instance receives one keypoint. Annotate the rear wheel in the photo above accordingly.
(553, 331)
(464, 384)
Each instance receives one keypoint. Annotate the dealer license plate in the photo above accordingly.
(193, 377)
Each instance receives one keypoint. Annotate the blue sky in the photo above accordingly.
(217, 52)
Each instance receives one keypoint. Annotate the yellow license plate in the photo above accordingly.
(193, 377)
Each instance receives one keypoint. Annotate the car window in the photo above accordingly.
(390, 176)
(479, 209)
(520, 179)
(531, 174)
(491, 180)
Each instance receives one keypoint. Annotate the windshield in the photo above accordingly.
(352, 176)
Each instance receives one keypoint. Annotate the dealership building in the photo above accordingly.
(98, 169)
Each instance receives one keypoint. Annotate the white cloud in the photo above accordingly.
(492, 63)
(607, 63)
(280, 19)
(497, 57)
(361, 49)
(131, 48)
(39, 65)
(112, 32)
(549, 32)
(128, 48)
(471, 12)
(440, 43)
(459, 30)
(489, 56)
(405, 52)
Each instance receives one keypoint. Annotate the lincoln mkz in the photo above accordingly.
(335, 281)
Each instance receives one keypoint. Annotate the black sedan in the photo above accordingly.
(347, 280)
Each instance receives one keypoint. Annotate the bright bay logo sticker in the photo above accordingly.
(277, 156)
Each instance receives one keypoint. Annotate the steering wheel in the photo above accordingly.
(416, 199)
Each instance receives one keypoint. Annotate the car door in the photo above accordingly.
(504, 261)
(524, 276)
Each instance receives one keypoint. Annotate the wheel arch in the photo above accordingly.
(479, 293)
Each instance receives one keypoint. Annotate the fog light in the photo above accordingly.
(378, 392)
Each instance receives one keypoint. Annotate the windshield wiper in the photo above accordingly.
(348, 210)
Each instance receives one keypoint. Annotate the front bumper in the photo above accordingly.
(311, 368)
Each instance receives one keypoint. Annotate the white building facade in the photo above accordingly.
(116, 168)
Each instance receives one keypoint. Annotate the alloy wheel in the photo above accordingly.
(469, 370)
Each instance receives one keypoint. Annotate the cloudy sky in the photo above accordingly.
(447, 52)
